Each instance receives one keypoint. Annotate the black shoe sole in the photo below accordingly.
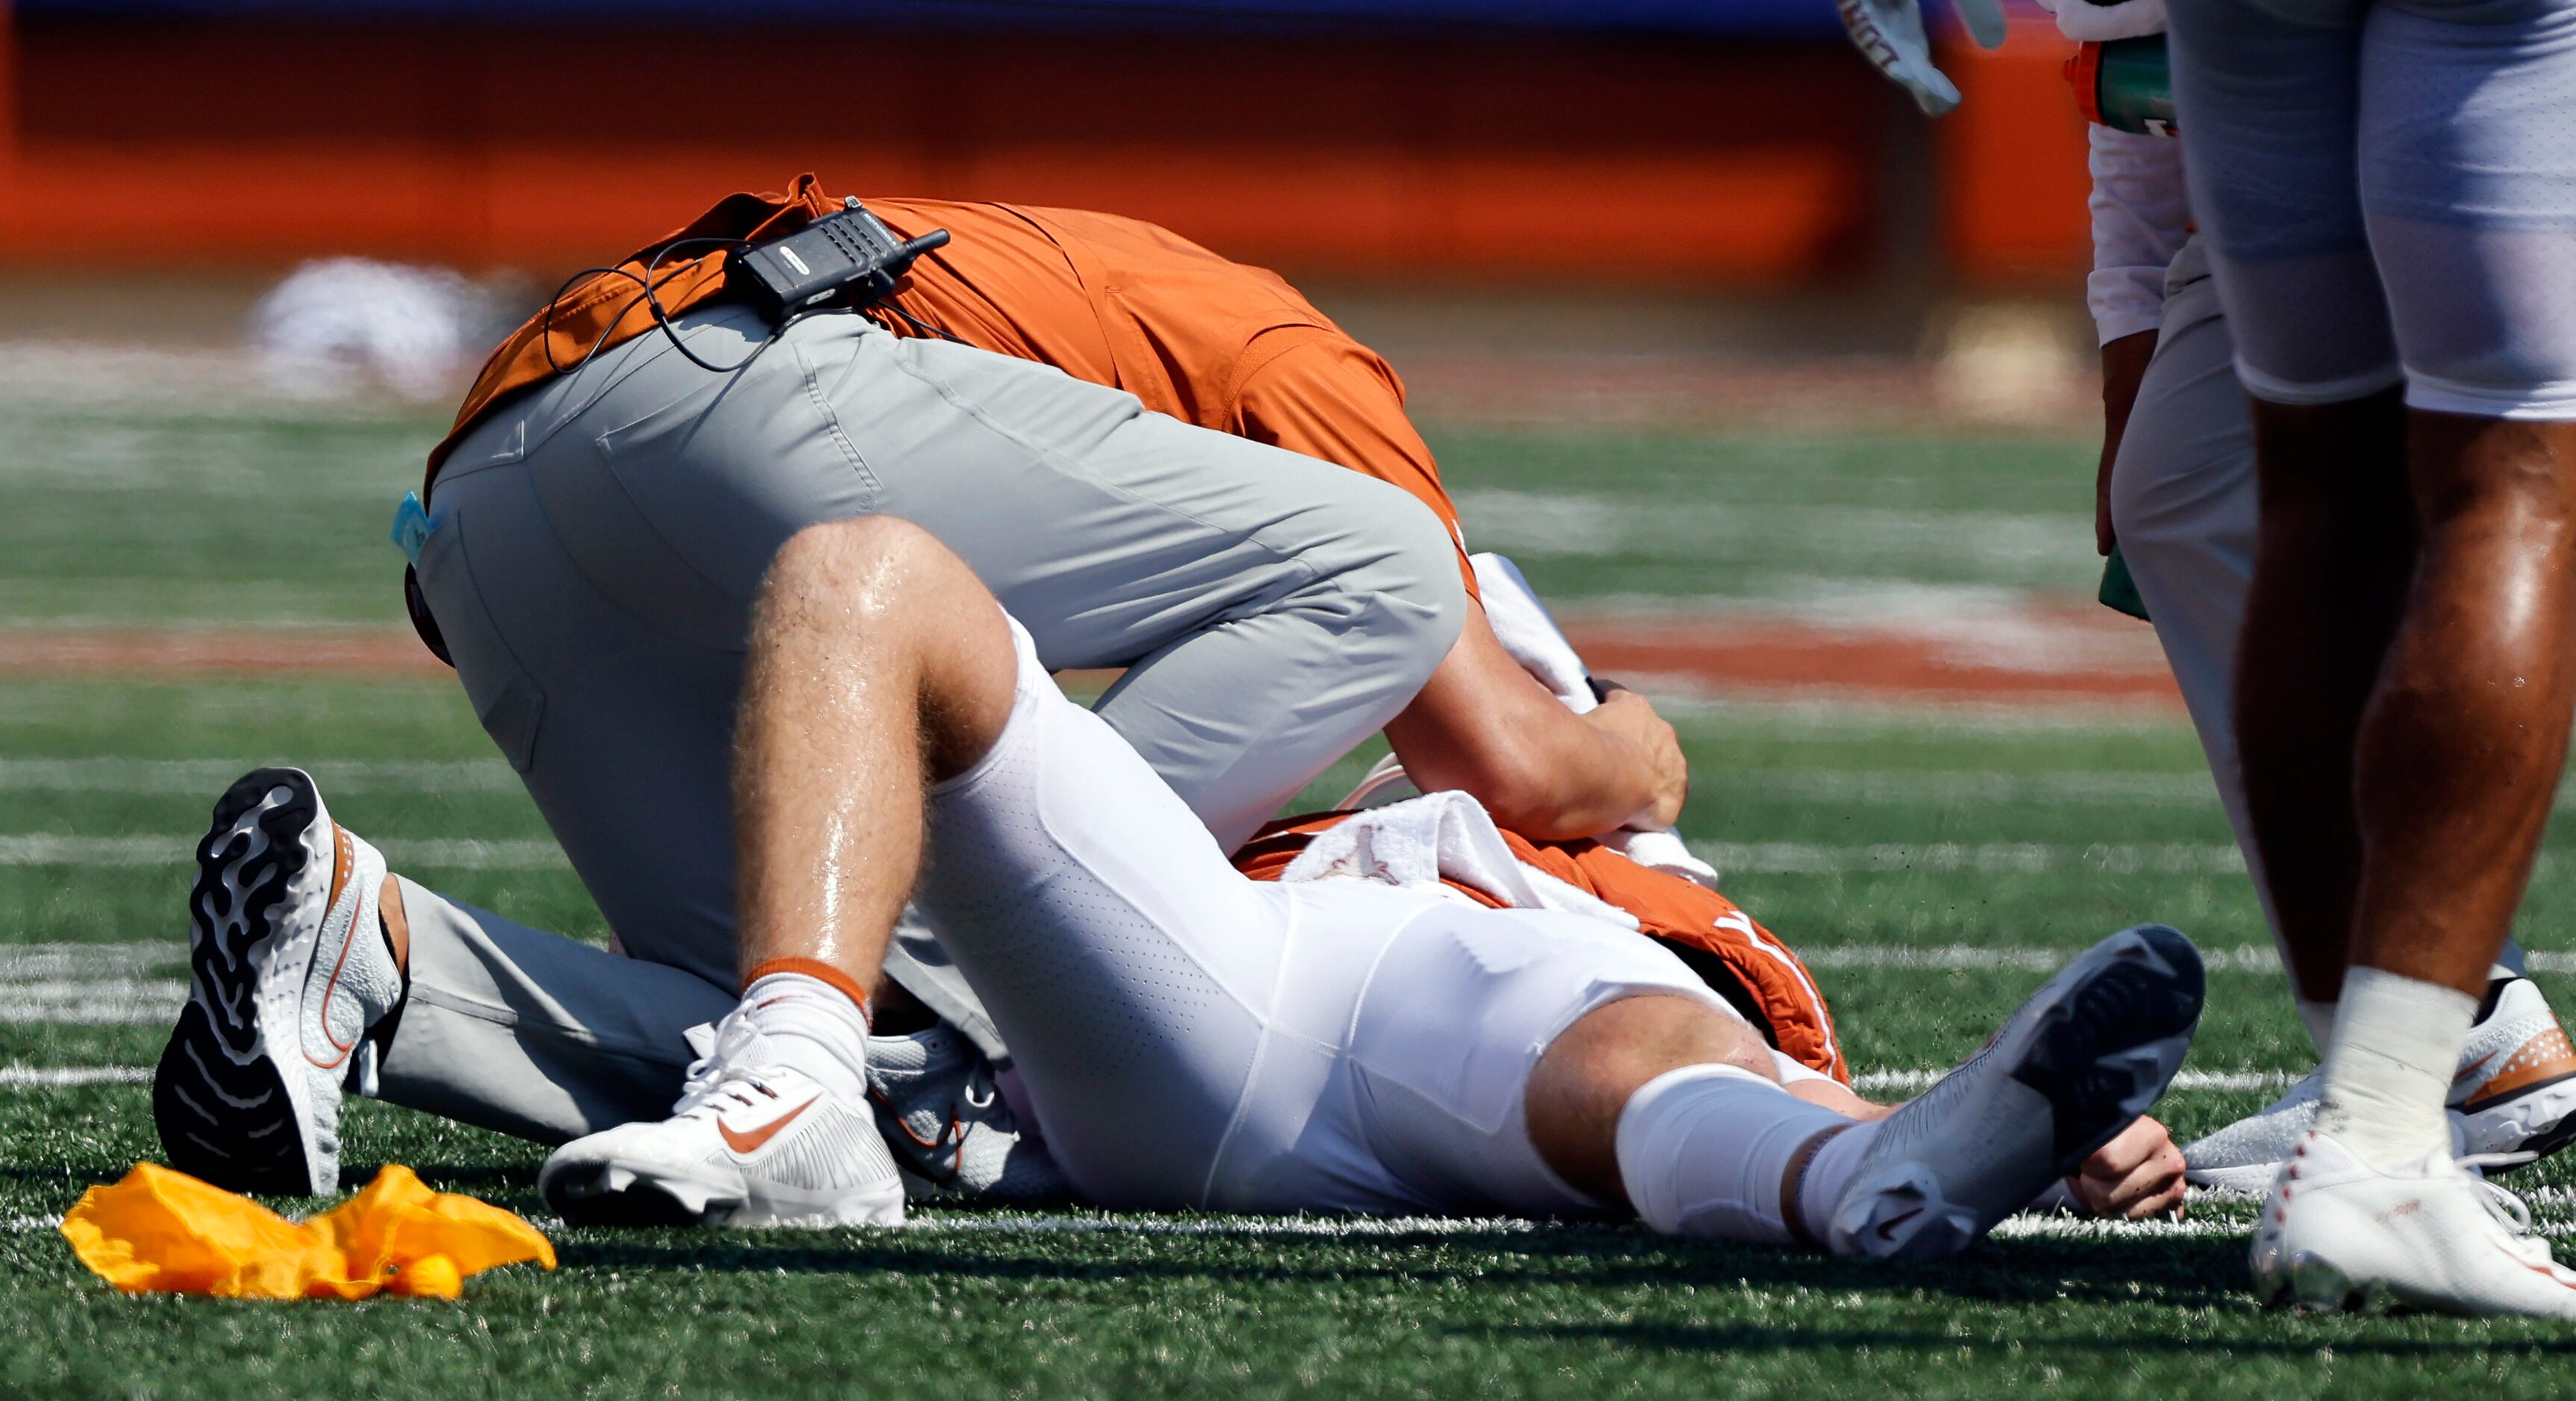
(231, 1121)
(2126, 1004)
(643, 1203)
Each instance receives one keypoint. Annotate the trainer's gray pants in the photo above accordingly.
(2183, 506)
(597, 545)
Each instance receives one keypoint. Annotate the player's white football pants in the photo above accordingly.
(2388, 189)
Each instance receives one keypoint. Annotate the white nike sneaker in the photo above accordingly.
(2085, 1056)
(2515, 1094)
(288, 972)
(950, 1131)
(2341, 1234)
(751, 1143)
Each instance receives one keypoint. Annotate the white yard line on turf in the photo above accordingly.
(142, 983)
(1891, 787)
(58, 1076)
(1908, 1082)
(1904, 1082)
(1334, 1228)
(1991, 858)
(211, 776)
(175, 851)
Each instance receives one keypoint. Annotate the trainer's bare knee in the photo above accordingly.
(879, 597)
(856, 568)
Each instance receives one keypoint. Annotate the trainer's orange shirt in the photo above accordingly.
(1114, 301)
(1738, 958)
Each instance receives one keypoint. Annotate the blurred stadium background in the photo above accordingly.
(1710, 180)
(1783, 394)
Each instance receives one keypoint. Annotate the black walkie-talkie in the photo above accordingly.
(850, 258)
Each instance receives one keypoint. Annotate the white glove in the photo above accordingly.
(1889, 34)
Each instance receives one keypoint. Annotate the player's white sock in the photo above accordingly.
(1708, 1149)
(2318, 1018)
(811, 1026)
(2396, 1046)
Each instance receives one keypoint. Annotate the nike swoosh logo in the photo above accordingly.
(2473, 1067)
(938, 1158)
(1887, 1228)
(748, 1143)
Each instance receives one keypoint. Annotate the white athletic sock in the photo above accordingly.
(2319, 1019)
(2396, 1046)
(1706, 1151)
(811, 1027)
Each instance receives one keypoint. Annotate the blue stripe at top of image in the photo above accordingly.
(1713, 18)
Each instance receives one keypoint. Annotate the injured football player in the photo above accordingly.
(1421, 1015)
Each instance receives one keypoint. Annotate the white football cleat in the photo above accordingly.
(751, 1143)
(2515, 1094)
(946, 1122)
(2341, 1234)
(2082, 1059)
(288, 972)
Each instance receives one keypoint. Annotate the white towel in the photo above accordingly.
(1422, 841)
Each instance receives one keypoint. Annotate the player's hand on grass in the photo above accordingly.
(2135, 1176)
(1628, 717)
(1889, 33)
(2124, 367)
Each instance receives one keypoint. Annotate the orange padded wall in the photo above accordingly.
(211, 143)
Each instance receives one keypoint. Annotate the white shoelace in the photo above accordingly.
(2508, 1209)
(718, 1076)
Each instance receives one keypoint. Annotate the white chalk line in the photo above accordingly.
(143, 983)
(209, 777)
(1984, 858)
(526, 854)
(1867, 1082)
(1897, 787)
(1912, 1082)
(1760, 858)
(72, 1076)
(2030, 1227)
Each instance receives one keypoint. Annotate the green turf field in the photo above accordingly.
(1931, 863)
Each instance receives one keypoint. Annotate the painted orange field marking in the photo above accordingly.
(2045, 656)
(351, 652)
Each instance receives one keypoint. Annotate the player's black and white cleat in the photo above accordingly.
(2081, 1060)
(288, 970)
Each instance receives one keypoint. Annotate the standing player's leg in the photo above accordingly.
(2183, 501)
(2277, 196)
(2463, 154)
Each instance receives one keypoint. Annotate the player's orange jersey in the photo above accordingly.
(1744, 962)
(1114, 301)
